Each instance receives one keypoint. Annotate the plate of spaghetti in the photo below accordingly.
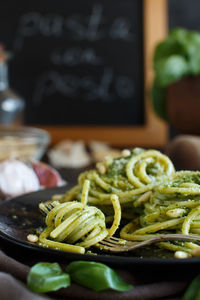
(136, 196)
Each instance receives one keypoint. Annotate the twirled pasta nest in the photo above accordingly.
(74, 226)
(127, 177)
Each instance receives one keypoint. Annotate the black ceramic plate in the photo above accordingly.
(20, 216)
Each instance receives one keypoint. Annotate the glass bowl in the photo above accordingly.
(24, 143)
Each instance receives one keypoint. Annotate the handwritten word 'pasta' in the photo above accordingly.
(77, 27)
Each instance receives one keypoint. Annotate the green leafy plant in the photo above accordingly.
(47, 277)
(175, 57)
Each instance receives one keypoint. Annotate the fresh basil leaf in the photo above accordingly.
(193, 291)
(171, 69)
(190, 41)
(167, 48)
(179, 34)
(186, 37)
(96, 276)
(158, 96)
(47, 277)
(194, 58)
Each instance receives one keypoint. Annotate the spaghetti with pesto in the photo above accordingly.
(140, 188)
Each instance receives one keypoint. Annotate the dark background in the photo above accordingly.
(185, 13)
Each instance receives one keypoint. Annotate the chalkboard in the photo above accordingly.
(82, 63)
(77, 62)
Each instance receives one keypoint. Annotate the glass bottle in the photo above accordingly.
(11, 105)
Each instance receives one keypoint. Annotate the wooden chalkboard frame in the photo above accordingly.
(155, 132)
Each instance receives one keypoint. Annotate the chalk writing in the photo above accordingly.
(75, 26)
(70, 85)
(75, 56)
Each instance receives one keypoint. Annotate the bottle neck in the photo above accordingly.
(3, 76)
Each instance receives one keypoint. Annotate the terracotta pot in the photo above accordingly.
(183, 105)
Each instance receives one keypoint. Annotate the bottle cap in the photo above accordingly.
(2, 53)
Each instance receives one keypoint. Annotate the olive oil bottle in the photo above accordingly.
(11, 105)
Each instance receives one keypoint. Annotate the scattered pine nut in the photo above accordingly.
(181, 254)
(101, 168)
(108, 160)
(196, 252)
(143, 199)
(32, 238)
(175, 213)
(126, 153)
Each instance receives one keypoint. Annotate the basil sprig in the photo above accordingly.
(96, 276)
(193, 291)
(47, 277)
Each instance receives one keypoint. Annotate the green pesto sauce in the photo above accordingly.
(190, 177)
(118, 165)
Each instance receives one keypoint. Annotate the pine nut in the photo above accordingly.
(181, 254)
(32, 238)
(126, 153)
(175, 213)
(196, 252)
(101, 168)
